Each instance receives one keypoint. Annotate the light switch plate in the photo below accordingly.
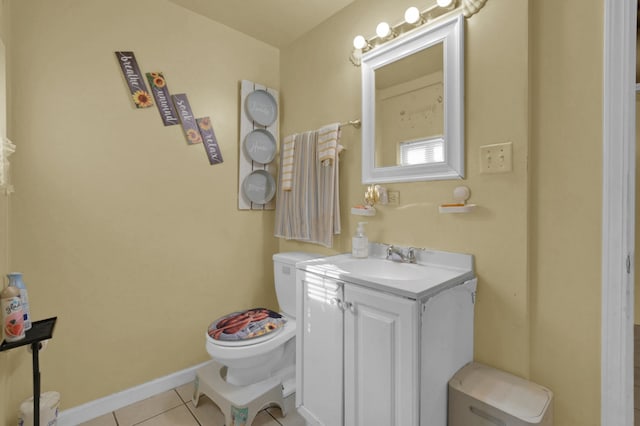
(496, 158)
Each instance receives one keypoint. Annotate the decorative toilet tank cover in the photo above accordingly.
(247, 324)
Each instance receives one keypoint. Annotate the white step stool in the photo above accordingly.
(239, 404)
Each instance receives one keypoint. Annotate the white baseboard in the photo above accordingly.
(99, 407)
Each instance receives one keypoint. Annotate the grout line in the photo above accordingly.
(192, 414)
(179, 397)
(161, 413)
(186, 405)
(269, 413)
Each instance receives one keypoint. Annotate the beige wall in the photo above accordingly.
(115, 215)
(532, 77)
(121, 229)
(566, 187)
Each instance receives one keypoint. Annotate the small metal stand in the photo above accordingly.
(39, 331)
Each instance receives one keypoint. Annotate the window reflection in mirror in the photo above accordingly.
(409, 110)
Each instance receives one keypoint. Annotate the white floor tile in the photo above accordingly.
(179, 416)
(185, 391)
(264, 419)
(293, 418)
(140, 411)
(106, 420)
(207, 412)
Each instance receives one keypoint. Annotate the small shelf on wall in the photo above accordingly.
(370, 211)
(460, 195)
(467, 208)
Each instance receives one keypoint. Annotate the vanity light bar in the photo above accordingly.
(384, 32)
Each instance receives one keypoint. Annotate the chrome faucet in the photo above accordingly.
(398, 255)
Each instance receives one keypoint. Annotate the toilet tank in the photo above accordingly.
(284, 270)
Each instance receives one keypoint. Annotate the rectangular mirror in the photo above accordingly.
(412, 105)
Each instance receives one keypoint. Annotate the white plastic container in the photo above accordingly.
(49, 404)
(480, 396)
(360, 243)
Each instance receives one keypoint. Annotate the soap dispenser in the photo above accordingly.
(360, 242)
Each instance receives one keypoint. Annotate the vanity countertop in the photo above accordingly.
(434, 272)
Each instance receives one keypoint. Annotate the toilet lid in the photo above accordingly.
(246, 325)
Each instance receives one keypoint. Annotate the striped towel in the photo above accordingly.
(310, 212)
(328, 142)
(288, 146)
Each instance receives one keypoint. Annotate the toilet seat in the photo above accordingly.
(247, 324)
(248, 342)
(252, 347)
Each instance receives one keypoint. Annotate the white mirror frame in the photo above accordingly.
(450, 31)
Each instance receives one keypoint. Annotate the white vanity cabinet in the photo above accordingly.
(367, 357)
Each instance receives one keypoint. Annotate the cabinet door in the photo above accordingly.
(381, 371)
(320, 354)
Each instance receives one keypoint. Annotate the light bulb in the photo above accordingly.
(412, 15)
(359, 42)
(444, 3)
(383, 30)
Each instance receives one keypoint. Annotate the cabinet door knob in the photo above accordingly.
(350, 306)
(336, 301)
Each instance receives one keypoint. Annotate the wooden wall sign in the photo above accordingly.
(135, 80)
(160, 92)
(187, 119)
(209, 140)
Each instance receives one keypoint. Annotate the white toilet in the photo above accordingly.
(245, 371)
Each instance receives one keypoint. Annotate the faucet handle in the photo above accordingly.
(411, 255)
(389, 251)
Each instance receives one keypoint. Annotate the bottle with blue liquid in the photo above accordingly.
(15, 280)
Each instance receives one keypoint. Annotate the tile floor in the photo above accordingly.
(174, 408)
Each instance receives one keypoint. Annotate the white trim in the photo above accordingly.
(618, 212)
(99, 407)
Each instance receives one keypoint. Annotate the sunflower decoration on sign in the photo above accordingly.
(204, 123)
(193, 136)
(142, 99)
(156, 79)
(159, 82)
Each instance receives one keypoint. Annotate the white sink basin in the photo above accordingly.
(385, 269)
